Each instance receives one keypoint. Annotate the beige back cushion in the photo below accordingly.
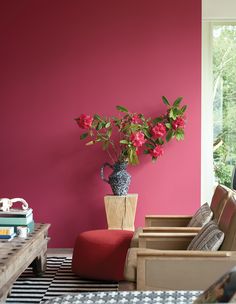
(218, 201)
(227, 224)
(202, 216)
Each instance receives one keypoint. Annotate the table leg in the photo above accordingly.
(40, 264)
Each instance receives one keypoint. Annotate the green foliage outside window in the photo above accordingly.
(224, 67)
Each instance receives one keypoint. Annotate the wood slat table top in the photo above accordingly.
(11, 249)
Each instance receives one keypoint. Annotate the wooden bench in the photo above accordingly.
(16, 255)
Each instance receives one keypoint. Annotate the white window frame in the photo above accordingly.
(220, 12)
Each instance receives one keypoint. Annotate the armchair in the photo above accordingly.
(179, 223)
(176, 268)
(220, 195)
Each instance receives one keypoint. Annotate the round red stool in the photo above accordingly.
(100, 254)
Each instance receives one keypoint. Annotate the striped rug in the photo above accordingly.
(57, 280)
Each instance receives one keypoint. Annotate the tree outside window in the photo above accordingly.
(224, 106)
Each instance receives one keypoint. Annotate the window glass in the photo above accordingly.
(224, 105)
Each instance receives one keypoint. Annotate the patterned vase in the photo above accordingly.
(119, 179)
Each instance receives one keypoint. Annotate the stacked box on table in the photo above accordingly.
(17, 217)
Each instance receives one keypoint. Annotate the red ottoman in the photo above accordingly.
(100, 254)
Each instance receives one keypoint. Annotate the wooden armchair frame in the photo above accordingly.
(181, 269)
(165, 222)
(172, 267)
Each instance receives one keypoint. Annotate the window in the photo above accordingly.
(224, 101)
(218, 17)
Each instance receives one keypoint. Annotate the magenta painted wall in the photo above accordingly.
(63, 58)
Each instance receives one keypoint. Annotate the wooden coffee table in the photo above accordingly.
(16, 255)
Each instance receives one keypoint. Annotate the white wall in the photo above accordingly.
(207, 173)
(218, 10)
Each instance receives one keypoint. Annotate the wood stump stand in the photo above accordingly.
(120, 211)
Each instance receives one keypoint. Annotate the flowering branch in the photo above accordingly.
(137, 134)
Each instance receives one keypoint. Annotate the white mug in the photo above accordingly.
(22, 231)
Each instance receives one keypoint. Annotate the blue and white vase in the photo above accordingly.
(119, 179)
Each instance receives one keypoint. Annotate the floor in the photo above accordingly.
(67, 252)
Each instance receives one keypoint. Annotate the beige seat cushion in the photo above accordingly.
(130, 270)
(134, 241)
(202, 216)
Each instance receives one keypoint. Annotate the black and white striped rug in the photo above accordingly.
(57, 280)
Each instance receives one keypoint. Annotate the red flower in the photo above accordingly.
(178, 123)
(138, 151)
(137, 139)
(158, 151)
(135, 119)
(84, 121)
(159, 130)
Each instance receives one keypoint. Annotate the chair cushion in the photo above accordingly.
(209, 238)
(135, 238)
(218, 201)
(130, 269)
(202, 216)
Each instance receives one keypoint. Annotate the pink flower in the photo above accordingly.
(135, 119)
(137, 139)
(158, 151)
(159, 130)
(178, 123)
(84, 121)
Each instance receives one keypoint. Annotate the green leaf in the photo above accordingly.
(174, 112)
(150, 146)
(99, 126)
(124, 141)
(146, 152)
(91, 133)
(132, 156)
(109, 132)
(160, 141)
(179, 134)
(105, 145)
(134, 128)
(183, 109)
(107, 125)
(147, 134)
(96, 116)
(166, 102)
(156, 120)
(171, 114)
(83, 136)
(177, 101)
(122, 109)
(179, 137)
(169, 135)
(168, 125)
(92, 142)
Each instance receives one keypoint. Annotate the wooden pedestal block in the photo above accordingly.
(120, 211)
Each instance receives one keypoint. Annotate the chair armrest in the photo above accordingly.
(184, 253)
(171, 229)
(166, 241)
(181, 270)
(167, 220)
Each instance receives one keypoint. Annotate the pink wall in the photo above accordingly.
(63, 58)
